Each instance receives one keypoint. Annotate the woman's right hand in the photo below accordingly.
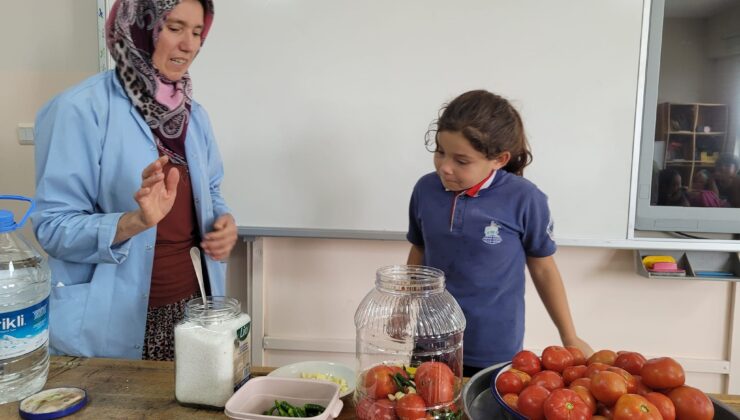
(155, 198)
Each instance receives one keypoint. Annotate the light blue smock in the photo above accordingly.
(91, 147)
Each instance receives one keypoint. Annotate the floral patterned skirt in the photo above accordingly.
(159, 339)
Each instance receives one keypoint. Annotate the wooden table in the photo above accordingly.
(139, 389)
(129, 389)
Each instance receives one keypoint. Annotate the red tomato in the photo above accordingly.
(571, 373)
(584, 382)
(556, 358)
(690, 403)
(531, 401)
(369, 409)
(628, 379)
(524, 375)
(605, 411)
(664, 404)
(599, 418)
(411, 407)
(378, 382)
(435, 382)
(363, 408)
(509, 383)
(603, 356)
(607, 386)
(662, 372)
(578, 357)
(642, 389)
(630, 361)
(635, 407)
(548, 379)
(526, 361)
(436, 367)
(565, 404)
(511, 400)
(586, 396)
(595, 367)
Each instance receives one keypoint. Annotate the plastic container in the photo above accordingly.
(409, 328)
(260, 394)
(212, 352)
(24, 305)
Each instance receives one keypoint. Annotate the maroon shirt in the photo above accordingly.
(173, 276)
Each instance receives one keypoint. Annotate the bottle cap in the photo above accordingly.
(52, 403)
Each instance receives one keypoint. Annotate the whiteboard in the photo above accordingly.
(320, 107)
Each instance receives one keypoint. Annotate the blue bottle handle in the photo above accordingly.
(21, 198)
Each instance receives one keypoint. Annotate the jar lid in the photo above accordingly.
(52, 403)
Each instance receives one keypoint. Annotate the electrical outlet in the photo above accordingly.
(25, 133)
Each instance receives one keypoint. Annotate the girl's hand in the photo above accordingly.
(580, 344)
(218, 243)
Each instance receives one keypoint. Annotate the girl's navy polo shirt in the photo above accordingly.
(481, 242)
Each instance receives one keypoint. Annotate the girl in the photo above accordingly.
(480, 222)
(670, 189)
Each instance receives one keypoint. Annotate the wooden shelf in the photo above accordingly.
(682, 127)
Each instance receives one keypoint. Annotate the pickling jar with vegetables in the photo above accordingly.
(409, 347)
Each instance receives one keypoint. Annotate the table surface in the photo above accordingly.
(141, 389)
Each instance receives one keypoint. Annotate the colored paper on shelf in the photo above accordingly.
(714, 274)
(649, 260)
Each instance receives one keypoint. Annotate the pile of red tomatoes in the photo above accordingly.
(389, 392)
(563, 384)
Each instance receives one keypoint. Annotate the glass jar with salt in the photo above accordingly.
(212, 351)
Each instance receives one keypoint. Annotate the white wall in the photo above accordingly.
(728, 82)
(47, 47)
(684, 65)
(724, 45)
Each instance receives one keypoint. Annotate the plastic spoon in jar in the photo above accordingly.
(195, 256)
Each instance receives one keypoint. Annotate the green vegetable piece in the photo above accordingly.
(313, 409)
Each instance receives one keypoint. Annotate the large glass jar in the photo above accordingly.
(409, 347)
(212, 351)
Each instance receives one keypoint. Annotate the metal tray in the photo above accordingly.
(479, 403)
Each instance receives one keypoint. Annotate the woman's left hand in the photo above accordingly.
(218, 243)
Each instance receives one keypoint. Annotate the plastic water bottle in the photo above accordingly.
(24, 307)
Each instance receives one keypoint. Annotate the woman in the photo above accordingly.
(127, 181)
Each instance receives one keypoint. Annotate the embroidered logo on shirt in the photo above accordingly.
(550, 228)
(491, 235)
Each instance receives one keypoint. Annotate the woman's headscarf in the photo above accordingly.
(132, 31)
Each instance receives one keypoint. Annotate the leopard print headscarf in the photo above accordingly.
(132, 30)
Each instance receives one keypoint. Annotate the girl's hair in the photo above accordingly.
(491, 125)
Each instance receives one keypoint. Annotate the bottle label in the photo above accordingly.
(242, 355)
(24, 330)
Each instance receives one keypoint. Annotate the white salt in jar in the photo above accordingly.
(212, 351)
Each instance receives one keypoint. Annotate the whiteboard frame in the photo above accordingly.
(105, 61)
